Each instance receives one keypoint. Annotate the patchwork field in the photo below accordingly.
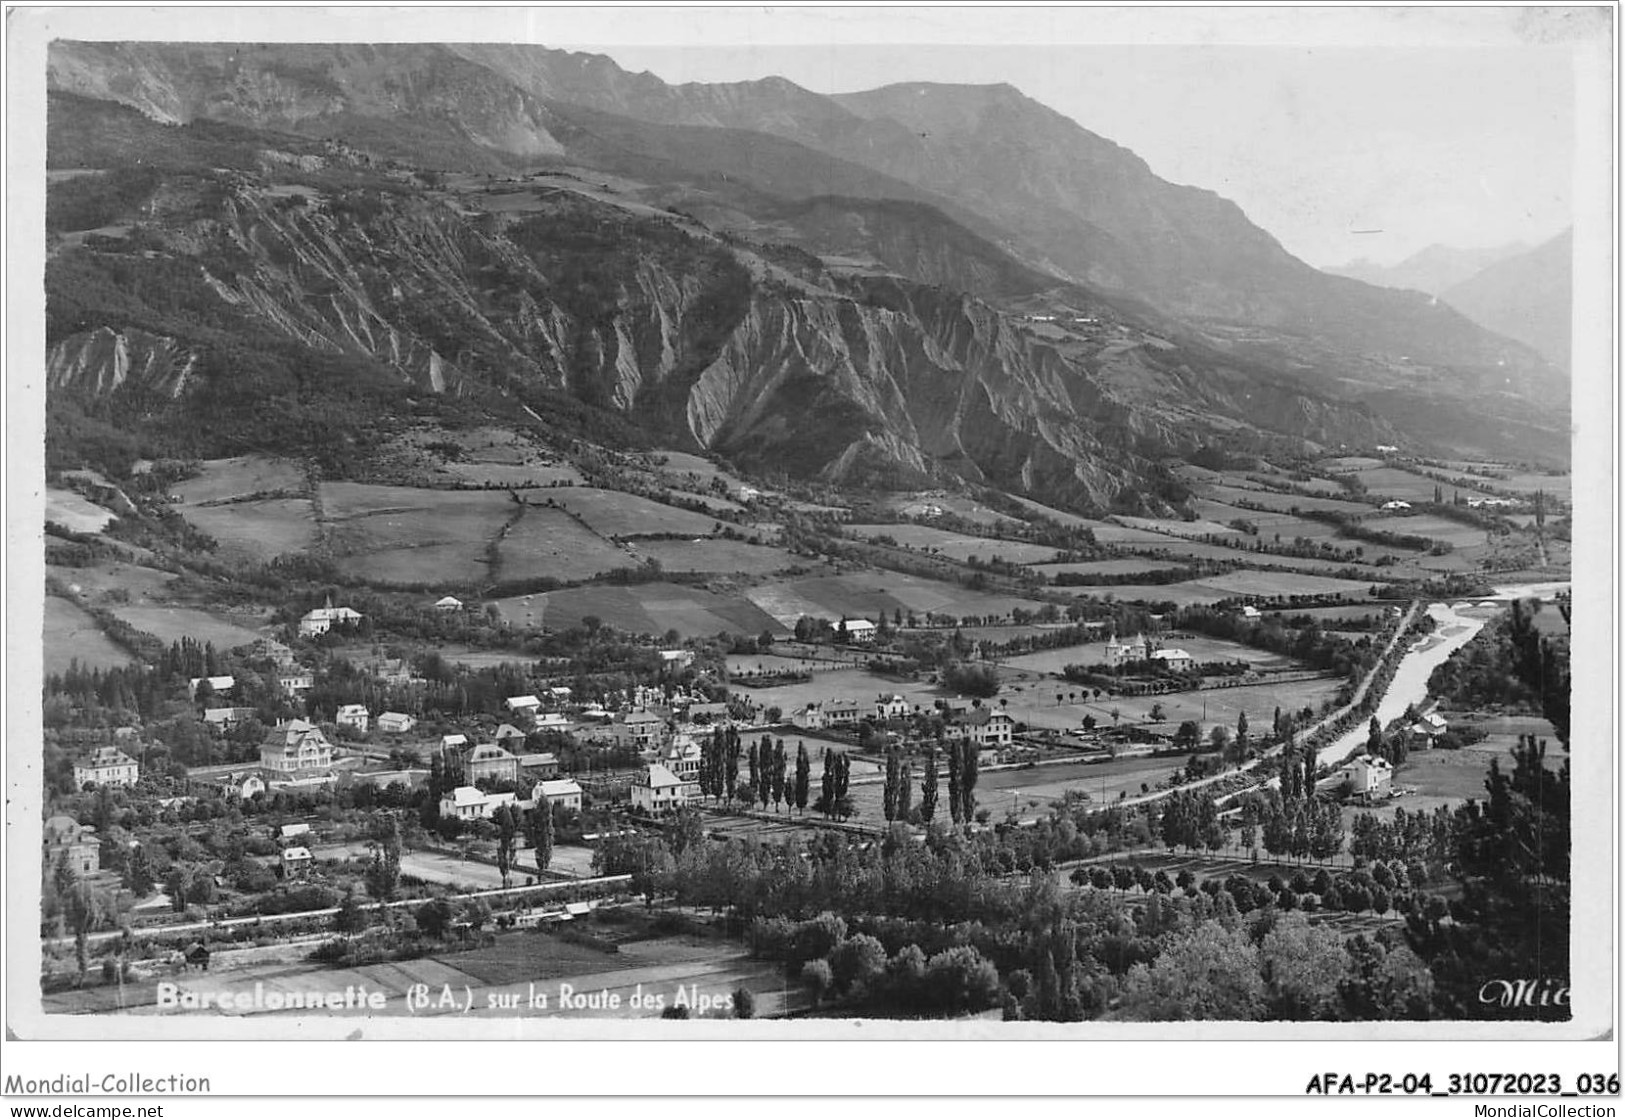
(514, 474)
(128, 581)
(614, 514)
(171, 624)
(401, 534)
(1215, 705)
(72, 511)
(651, 608)
(717, 555)
(223, 479)
(1060, 517)
(1282, 503)
(957, 546)
(1391, 482)
(866, 594)
(1272, 584)
(1427, 525)
(429, 565)
(1178, 528)
(1110, 567)
(550, 543)
(1188, 594)
(72, 635)
(261, 529)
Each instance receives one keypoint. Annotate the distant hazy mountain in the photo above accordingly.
(1529, 297)
(1431, 270)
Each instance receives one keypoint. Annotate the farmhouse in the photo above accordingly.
(560, 793)
(858, 630)
(354, 717)
(107, 766)
(67, 841)
(560, 694)
(246, 786)
(674, 659)
(839, 712)
(289, 831)
(322, 619)
(296, 748)
(985, 727)
(1250, 612)
(297, 682)
(452, 742)
(508, 732)
(1395, 506)
(448, 605)
(658, 791)
(220, 686)
(396, 723)
(551, 721)
(1369, 776)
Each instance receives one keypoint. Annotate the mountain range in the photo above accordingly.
(920, 282)
(1431, 270)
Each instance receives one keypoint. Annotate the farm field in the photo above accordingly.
(958, 546)
(71, 634)
(717, 555)
(1276, 477)
(650, 608)
(1189, 594)
(1125, 534)
(262, 529)
(1220, 705)
(1430, 526)
(1281, 584)
(1200, 550)
(1282, 503)
(429, 565)
(1391, 482)
(615, 514)
(171, 624)
(1201, 648)
(550, 543)
(223, 479)
(1060, 517)
(866, 594)
(1345, 464)
(741, 664)
(860, 685)
(513, 474)
(1031, 790)
(1269, 524)
(134, 581)
(1328, 616)
(75, 512)
(1112, 567)
(1178, 528)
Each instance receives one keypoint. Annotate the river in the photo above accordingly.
(1410, 684)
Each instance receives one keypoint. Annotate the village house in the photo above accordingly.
(396, 723)
(220, 686)
(270, 649)
(1368, 776)
(290, 832)
(891, 707)
(489, 763)
(674, 659)
(1121, 653)
(245, 786)
(354, 717)
(1395, 506)
(224, 719)
(523, 705)
(658, 792)
(984, 727)
(106, 766)
(838, 713)
(1428, 727)
(1250, 612)
(683, 758)
(859, 631)
(561, 793)
(452, 742)
(296, 863)
(540, 766)
(809, 718)
(706, 713)
(1176, 660)
(322, 619)
(448, 605)
(297, 682)
(465, 803)
(67, 841)
(296, 748)
(560, 694)
(638, 730)
(552, 721)
(508, 736)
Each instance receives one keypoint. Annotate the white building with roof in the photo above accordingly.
(354, 717)
(396, 723)
(322, 619)
(107, 766)
(1369, 776)
(560, 793)
(297, 747)
(859, 630)
(448, 604)
(657, 791)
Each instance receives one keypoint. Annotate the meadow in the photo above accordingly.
(717, 555)
(223, 479)
(550, 543)
(958, 546)
(1123, 567)
(72, 511)
(171, 624)
(1281, 503)
(650, 608)
(1392, 482)
(72, 635)
(614, 514)
(866, 594)
(259, 530)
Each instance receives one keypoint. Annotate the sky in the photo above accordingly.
(1354, 140)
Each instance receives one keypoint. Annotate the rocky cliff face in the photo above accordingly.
(104, 360)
